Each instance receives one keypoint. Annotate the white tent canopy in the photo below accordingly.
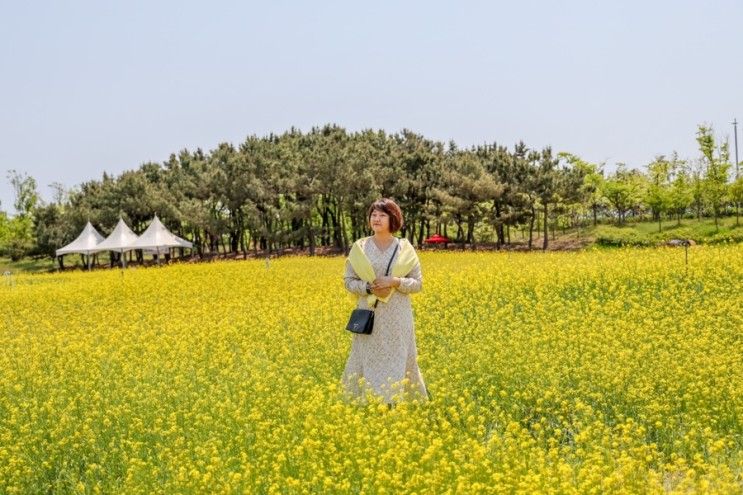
(120, 240)
(158, 239)
(86, 243)
(155, 240)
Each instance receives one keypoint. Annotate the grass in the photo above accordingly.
(27, 265)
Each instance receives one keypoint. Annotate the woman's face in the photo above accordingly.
(380, 221)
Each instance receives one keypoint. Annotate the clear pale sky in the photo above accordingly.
(88, 87)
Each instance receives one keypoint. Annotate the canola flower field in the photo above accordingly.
(587, 372)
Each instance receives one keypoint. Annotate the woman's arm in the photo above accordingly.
(413, 282)
(352, 282)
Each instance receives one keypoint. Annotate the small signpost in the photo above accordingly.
(686, 243)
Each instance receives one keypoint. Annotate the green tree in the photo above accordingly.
(681, 195)
(658, 192)
(506, 169)
(545, 186)
(593, 180)
(20, 228)
(622, 190)
(717, 161)
(24, 187)
(736, 194)
(4, 233)
(465, 191)
(48, 230)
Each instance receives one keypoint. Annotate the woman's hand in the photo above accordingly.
(381, 292)
(385, 282)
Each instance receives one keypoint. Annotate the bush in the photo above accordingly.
(612, 236)
(730, 236)
(618, 236)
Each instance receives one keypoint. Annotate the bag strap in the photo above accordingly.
(387, 272)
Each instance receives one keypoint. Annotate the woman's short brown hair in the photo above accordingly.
(389, 207)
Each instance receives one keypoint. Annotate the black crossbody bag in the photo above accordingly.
(362, 320)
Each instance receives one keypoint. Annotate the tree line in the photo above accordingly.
(311, 190)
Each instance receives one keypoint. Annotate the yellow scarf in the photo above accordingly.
(405, 261)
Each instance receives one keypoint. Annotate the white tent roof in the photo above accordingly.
(157, 238)
(86, 243)
(119, 240)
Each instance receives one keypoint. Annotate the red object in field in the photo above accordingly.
(437, 239)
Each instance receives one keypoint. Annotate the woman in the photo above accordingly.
(387, 355)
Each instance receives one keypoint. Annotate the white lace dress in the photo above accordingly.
(389, 353)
